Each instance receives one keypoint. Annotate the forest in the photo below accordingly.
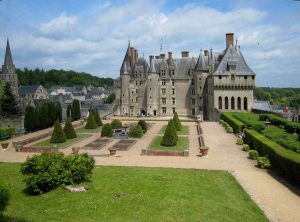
(60, 77)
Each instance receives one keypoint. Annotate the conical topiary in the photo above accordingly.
(58, 135)
(97, 117)
(169, 138)
(91, 123)
(143, 124)
(116, 124)
(69, 130)
(106, 130)
(177, 122)
(172, 125)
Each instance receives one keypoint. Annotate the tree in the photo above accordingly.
(76, 114)
(69, 111)
(116, 124)
(111, 98)
(9, 103)
(29, 120)
(97, 117)
(143, 124)
(177, 122)
(106, 130)
(135, 131)
(58, 111)
(69, 130)
(91, 123)
(58, 135)
(169, 138)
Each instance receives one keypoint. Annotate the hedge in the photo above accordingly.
(251, 120)
(6, 132)
(287, 161)
(276, 120)
(233, 122)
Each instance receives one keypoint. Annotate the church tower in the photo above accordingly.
(9, 71)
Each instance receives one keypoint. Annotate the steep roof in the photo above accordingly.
(126, 62)
(233, 56)
(202, 62)
(262, 105)
(23, 90)
(8, 62)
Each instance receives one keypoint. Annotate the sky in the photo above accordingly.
(92, 36)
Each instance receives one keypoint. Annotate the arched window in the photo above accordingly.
(239, 105)
(226, 102)
(220, 102)
(232, 103)
(245, 103)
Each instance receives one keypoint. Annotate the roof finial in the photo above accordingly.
(161, 46)
(143, 55)
(128, 40)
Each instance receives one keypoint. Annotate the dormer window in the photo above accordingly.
(191, 72)
(231, 65)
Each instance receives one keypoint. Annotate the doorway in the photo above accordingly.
(143, 113)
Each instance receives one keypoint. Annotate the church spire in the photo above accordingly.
(8, 62)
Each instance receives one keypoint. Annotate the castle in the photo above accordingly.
(215, 82)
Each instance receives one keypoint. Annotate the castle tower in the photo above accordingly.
(153, 107)
(9, 71)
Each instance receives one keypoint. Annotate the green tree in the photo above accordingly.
(29, 120)
(76, 114)
(69, 130)
(143, 124)
(177, 122)
(111, 98)
(106, 130)
(58, 111)
(169, 138)
(9, 103)
(97, 117)
(58, 135)
(135, 131)
(69, 111)
(91, 123)
(116, 124)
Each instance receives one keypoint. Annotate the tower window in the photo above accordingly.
(164, 110)
(164, 100)
(173, 82)
(163, 82)
(163, 91)
(173, 101)
(173, 91)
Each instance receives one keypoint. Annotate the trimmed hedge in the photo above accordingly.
(4, 194)
(6, 132)
(276, 120)
(116, 124)
(251, 120)
(233, 122)
(287, 161)
(58, 135)
(136, 131)
(106, 130)
(143, 124)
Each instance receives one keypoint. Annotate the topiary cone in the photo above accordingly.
(91, 123)
(58, 135)
(170, 135)
(177, 122)
(69, 130)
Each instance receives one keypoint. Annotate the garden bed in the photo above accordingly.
(97, 144)
(124, 145)
(84, 130)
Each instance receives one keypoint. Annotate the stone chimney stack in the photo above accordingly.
(229, 39)
(205, 52)
(170, 55)
(162, 55)
(185, 54)
(133, 52)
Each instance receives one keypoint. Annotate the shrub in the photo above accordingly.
(251, 120)
(234, 123)
(106, 130)
(177, 122)
(229, 130)
(47, 171)
(6, 131)
(263, 162)
(4, 194)
(287, 161)
(97, 117)
(29, 119)
(276, 120)
(253, 154)
(91, 123)
(58, 135)
(76, 112)
(224, 124)
(245, 147)
(116, 124)
(170, 136)
(69, 130)
(143, 124)
(239, 141)
(135, 131)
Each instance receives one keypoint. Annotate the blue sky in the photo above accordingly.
(92, 36)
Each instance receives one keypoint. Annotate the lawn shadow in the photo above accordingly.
(5, 218)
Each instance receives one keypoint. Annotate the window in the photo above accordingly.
(173, 72)
(173, 101)
(136, 91)
(163, 91)
(253, 77)
(131, 92)
(173, 82)
(220, 102)
(163, 72)
(193, 112)
(136, 99)
(164, 110)
(173, 91)
(226, 102)
(193, 101)
(193, 82)
(245, 77)
(200, 87)
(150, 97)
(220, 77)
(136, 82)
(232, 103)
(193, 91)
(199, 79)
(164, 101)
(163, 82)
(140, 82)
(131, 100)
(239, 105)
(173, 109)
(245, 103)
(150, 89)
(232, 77)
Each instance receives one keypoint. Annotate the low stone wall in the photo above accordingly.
(37, 149)
(164, 153)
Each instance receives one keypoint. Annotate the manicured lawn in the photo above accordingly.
(184, 130)
(182, 144)
(83, 130)
(46, 142)
(137, 194)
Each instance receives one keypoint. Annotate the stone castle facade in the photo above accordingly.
(214, 82)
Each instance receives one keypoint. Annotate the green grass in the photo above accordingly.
(182, 144)
(46, 143)
(184, 130)
(137, 194)
(83, 130)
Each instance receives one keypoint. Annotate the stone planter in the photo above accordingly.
(75, 149)
(112, 151)
(204, 151)
(4, 145)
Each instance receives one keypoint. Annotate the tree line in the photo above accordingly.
(59, 77)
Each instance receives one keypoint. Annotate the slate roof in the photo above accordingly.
(202, 62)
(8, 61)
(262, 105)
(23, 90)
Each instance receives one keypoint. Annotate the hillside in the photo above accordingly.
(59, 77)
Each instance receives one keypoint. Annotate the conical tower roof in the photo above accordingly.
(8, 62)
(201, 64)
(152, 66)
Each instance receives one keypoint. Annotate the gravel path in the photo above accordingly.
(279, 201)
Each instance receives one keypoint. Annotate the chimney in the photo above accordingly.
(136, 54)
(170, 55)
(184, 54)
(205, 52)
(133, 56)
(229, 39)
(162, 55)
(157, 57)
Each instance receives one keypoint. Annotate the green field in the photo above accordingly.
(46, 143)
(83, 130)
(182, 144)
(184, 130)
(136, 194)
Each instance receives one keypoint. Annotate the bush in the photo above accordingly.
(6, 132)
(106, 130)
(245, 147)
(263, 162)
(253, 154)
(234, 123)
(69, 130)
(4, 195)
(143, 124)
(91, 123)
(276, 120)
(177, 122)
(251, 120)
(135, 131)
(58, 135)
(170, 136)
(221, 122)
(116, 124)
(97, 117)
(47, 171)
(29, 120)
(229, 130)
(287, 161)
(239, 141)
